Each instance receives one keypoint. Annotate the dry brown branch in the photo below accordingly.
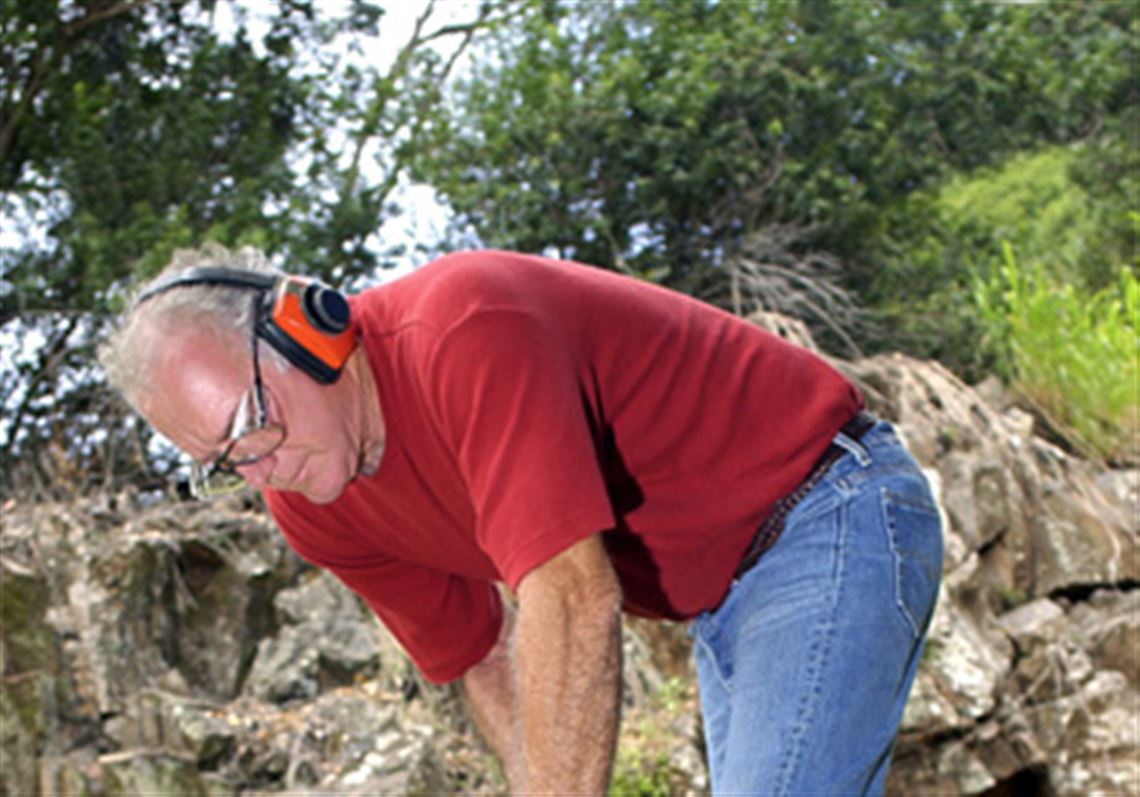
(770, 274)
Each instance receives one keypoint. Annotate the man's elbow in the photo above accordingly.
(581, 580)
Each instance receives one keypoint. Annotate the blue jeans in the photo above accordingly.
(805, 667)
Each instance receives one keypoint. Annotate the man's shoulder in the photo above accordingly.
(458, 284)
(481, 272)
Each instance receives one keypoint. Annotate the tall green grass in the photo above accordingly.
(936, 240)
(1071, 353)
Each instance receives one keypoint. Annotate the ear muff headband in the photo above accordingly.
(309, 323)
(210, 275)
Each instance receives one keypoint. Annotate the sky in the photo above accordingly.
(424, 217)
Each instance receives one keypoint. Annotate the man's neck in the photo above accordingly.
(369, 413)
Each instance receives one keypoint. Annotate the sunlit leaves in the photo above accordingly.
(1073, 352)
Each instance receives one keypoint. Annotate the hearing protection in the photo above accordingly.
(307, 321)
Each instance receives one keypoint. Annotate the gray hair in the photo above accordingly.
(129, 351)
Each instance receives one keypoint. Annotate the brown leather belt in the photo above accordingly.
(773, 524)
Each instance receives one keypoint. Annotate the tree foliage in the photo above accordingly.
(131, 128)
(1107, 170)
(814, 156)
(652, 135)
(1045, 205)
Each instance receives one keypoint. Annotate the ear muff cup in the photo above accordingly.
(310, 324)
(294, 352)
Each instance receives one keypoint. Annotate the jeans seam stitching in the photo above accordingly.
(892, 540)
(714, 660)
(818, 658)
(715, 757)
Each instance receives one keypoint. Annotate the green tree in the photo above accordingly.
(657, 136)
(121, 147)
(126, 131)
(132, 128)
(1107, 169)
(1066, 209)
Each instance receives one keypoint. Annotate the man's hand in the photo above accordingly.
(568, 660)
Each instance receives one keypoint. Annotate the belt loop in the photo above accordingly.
(853, 447)
(852, 432)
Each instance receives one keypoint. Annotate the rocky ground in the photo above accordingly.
(180, 648)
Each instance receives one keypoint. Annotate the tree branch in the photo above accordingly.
(44, 64)
(379, 102)
(95, 17)
(385, 90)
(48, 360)
(12, 121)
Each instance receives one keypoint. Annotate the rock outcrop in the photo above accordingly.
(1030, 677)
(181, 648)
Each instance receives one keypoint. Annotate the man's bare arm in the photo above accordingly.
(563, 651)
(489, 688)
(568, 669)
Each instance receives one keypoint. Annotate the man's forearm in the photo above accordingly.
(568, 660)
(489, 689)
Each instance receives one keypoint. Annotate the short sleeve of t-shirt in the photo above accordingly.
(508, 388)
(444, 622)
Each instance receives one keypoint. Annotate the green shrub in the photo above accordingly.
(1030, 201)
(1071, 353)
(1050, 204)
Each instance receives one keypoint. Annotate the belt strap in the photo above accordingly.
(773, 524)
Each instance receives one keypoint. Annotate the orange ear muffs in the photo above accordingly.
(311, 325)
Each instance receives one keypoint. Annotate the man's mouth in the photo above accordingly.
(290, 483)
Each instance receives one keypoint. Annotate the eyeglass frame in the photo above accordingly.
(201, 474)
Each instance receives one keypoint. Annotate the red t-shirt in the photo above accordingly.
(531, 403)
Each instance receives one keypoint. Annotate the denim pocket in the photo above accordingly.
(914, 530)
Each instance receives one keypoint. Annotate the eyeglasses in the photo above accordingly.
(252, 438)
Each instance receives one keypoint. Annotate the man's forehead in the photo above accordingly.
(201, 351)
(195, 384)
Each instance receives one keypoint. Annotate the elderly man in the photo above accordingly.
(597, 444)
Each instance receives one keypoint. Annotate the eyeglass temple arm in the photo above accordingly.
(258, 397)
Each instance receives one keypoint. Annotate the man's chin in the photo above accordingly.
(322, 494)
(321, 498)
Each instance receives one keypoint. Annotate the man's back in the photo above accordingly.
(531, 403)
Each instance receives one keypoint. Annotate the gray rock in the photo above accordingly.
(135, 772)
(1032, 620)
(327, 639)
(1123, 489)
(1109, 628)
(287, 667)
(29, 689)
(206, 734)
